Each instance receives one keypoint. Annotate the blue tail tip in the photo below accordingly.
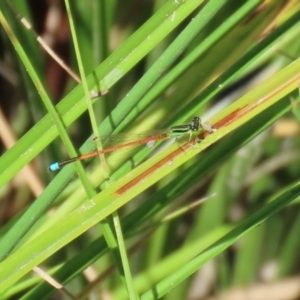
(54, 167)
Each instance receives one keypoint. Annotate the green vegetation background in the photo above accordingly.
(157, 63)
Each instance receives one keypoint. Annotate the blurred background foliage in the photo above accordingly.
(236, 176)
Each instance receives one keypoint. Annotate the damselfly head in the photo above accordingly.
(195, 125)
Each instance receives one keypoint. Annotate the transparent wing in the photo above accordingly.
(139, 138)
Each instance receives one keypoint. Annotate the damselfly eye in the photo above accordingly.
(194, 126)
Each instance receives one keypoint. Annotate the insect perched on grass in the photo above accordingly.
(148, 138)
